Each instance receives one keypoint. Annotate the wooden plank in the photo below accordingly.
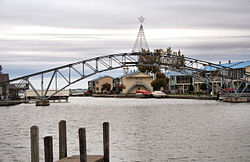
(31, 93)
(76, 158)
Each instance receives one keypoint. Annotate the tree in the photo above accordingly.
(190, 88)
(160, 81)
(118, 88)
(203, 87)
(148, 60)
(106, 87)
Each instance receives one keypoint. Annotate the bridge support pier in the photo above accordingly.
(42, 103)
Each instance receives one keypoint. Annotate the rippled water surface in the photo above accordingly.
(141, 129)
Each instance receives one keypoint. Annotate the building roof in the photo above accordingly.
(129, 73)
(100, 78)
(132, 73)
(175, 73)
(233, 65)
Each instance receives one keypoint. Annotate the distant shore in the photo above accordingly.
(178, 96)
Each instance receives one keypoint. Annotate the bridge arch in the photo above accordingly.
(199, 69)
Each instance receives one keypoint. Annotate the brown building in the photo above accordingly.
(3, 87)
(95, 85)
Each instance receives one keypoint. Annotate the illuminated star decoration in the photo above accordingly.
(141, 19)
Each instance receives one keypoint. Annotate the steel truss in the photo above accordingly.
(75, 72)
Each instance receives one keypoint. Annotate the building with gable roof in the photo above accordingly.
(136, 81)
(95, 85)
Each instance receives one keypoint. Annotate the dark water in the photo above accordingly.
(141, 129)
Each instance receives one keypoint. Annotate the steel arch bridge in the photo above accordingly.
(69, 74)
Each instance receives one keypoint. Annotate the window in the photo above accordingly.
(97, 89)
(138, 88)
(184, 79)
(96, 82)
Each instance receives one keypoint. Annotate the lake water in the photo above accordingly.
(141, 129)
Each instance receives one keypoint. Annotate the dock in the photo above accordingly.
(76, 158)
(63, 157)
(235, 99)
(12, 103)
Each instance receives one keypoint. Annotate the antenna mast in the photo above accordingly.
(141, 44)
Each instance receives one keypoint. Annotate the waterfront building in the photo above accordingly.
(180, 82)
(236, 74)
(95, 85)
(3, 87)
(136, 81)
(11, 90)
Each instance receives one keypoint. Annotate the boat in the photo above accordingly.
(158, 94)
(143, 94)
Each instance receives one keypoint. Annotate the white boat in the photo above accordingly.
(158, 94)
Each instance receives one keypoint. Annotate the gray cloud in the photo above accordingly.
(122, 13)
(23, 56)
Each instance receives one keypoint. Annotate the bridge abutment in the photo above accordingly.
(42, 103)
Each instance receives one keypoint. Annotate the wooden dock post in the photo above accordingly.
(34, 143)
(62, 139)
(48, 149)
(82, 144)
(106, 141)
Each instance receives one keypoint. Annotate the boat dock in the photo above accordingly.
(76, 158)
(63, 157)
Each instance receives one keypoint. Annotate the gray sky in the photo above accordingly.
(36, 35)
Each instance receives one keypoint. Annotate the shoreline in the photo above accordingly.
(167, 96)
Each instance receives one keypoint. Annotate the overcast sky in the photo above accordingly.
(38, 34)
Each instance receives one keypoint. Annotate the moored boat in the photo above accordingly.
(158, 94)
(143, 94)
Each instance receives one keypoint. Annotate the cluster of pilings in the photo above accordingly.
(48, 145)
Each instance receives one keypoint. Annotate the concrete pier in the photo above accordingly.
(42, 103)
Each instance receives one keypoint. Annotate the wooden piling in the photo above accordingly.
(48, 149)
(82, 145)
(106, 141)
(62, 139)
(34, 143)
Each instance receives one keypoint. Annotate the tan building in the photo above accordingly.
(136, 81)
(95, 85)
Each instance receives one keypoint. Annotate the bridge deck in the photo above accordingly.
(76, 158)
